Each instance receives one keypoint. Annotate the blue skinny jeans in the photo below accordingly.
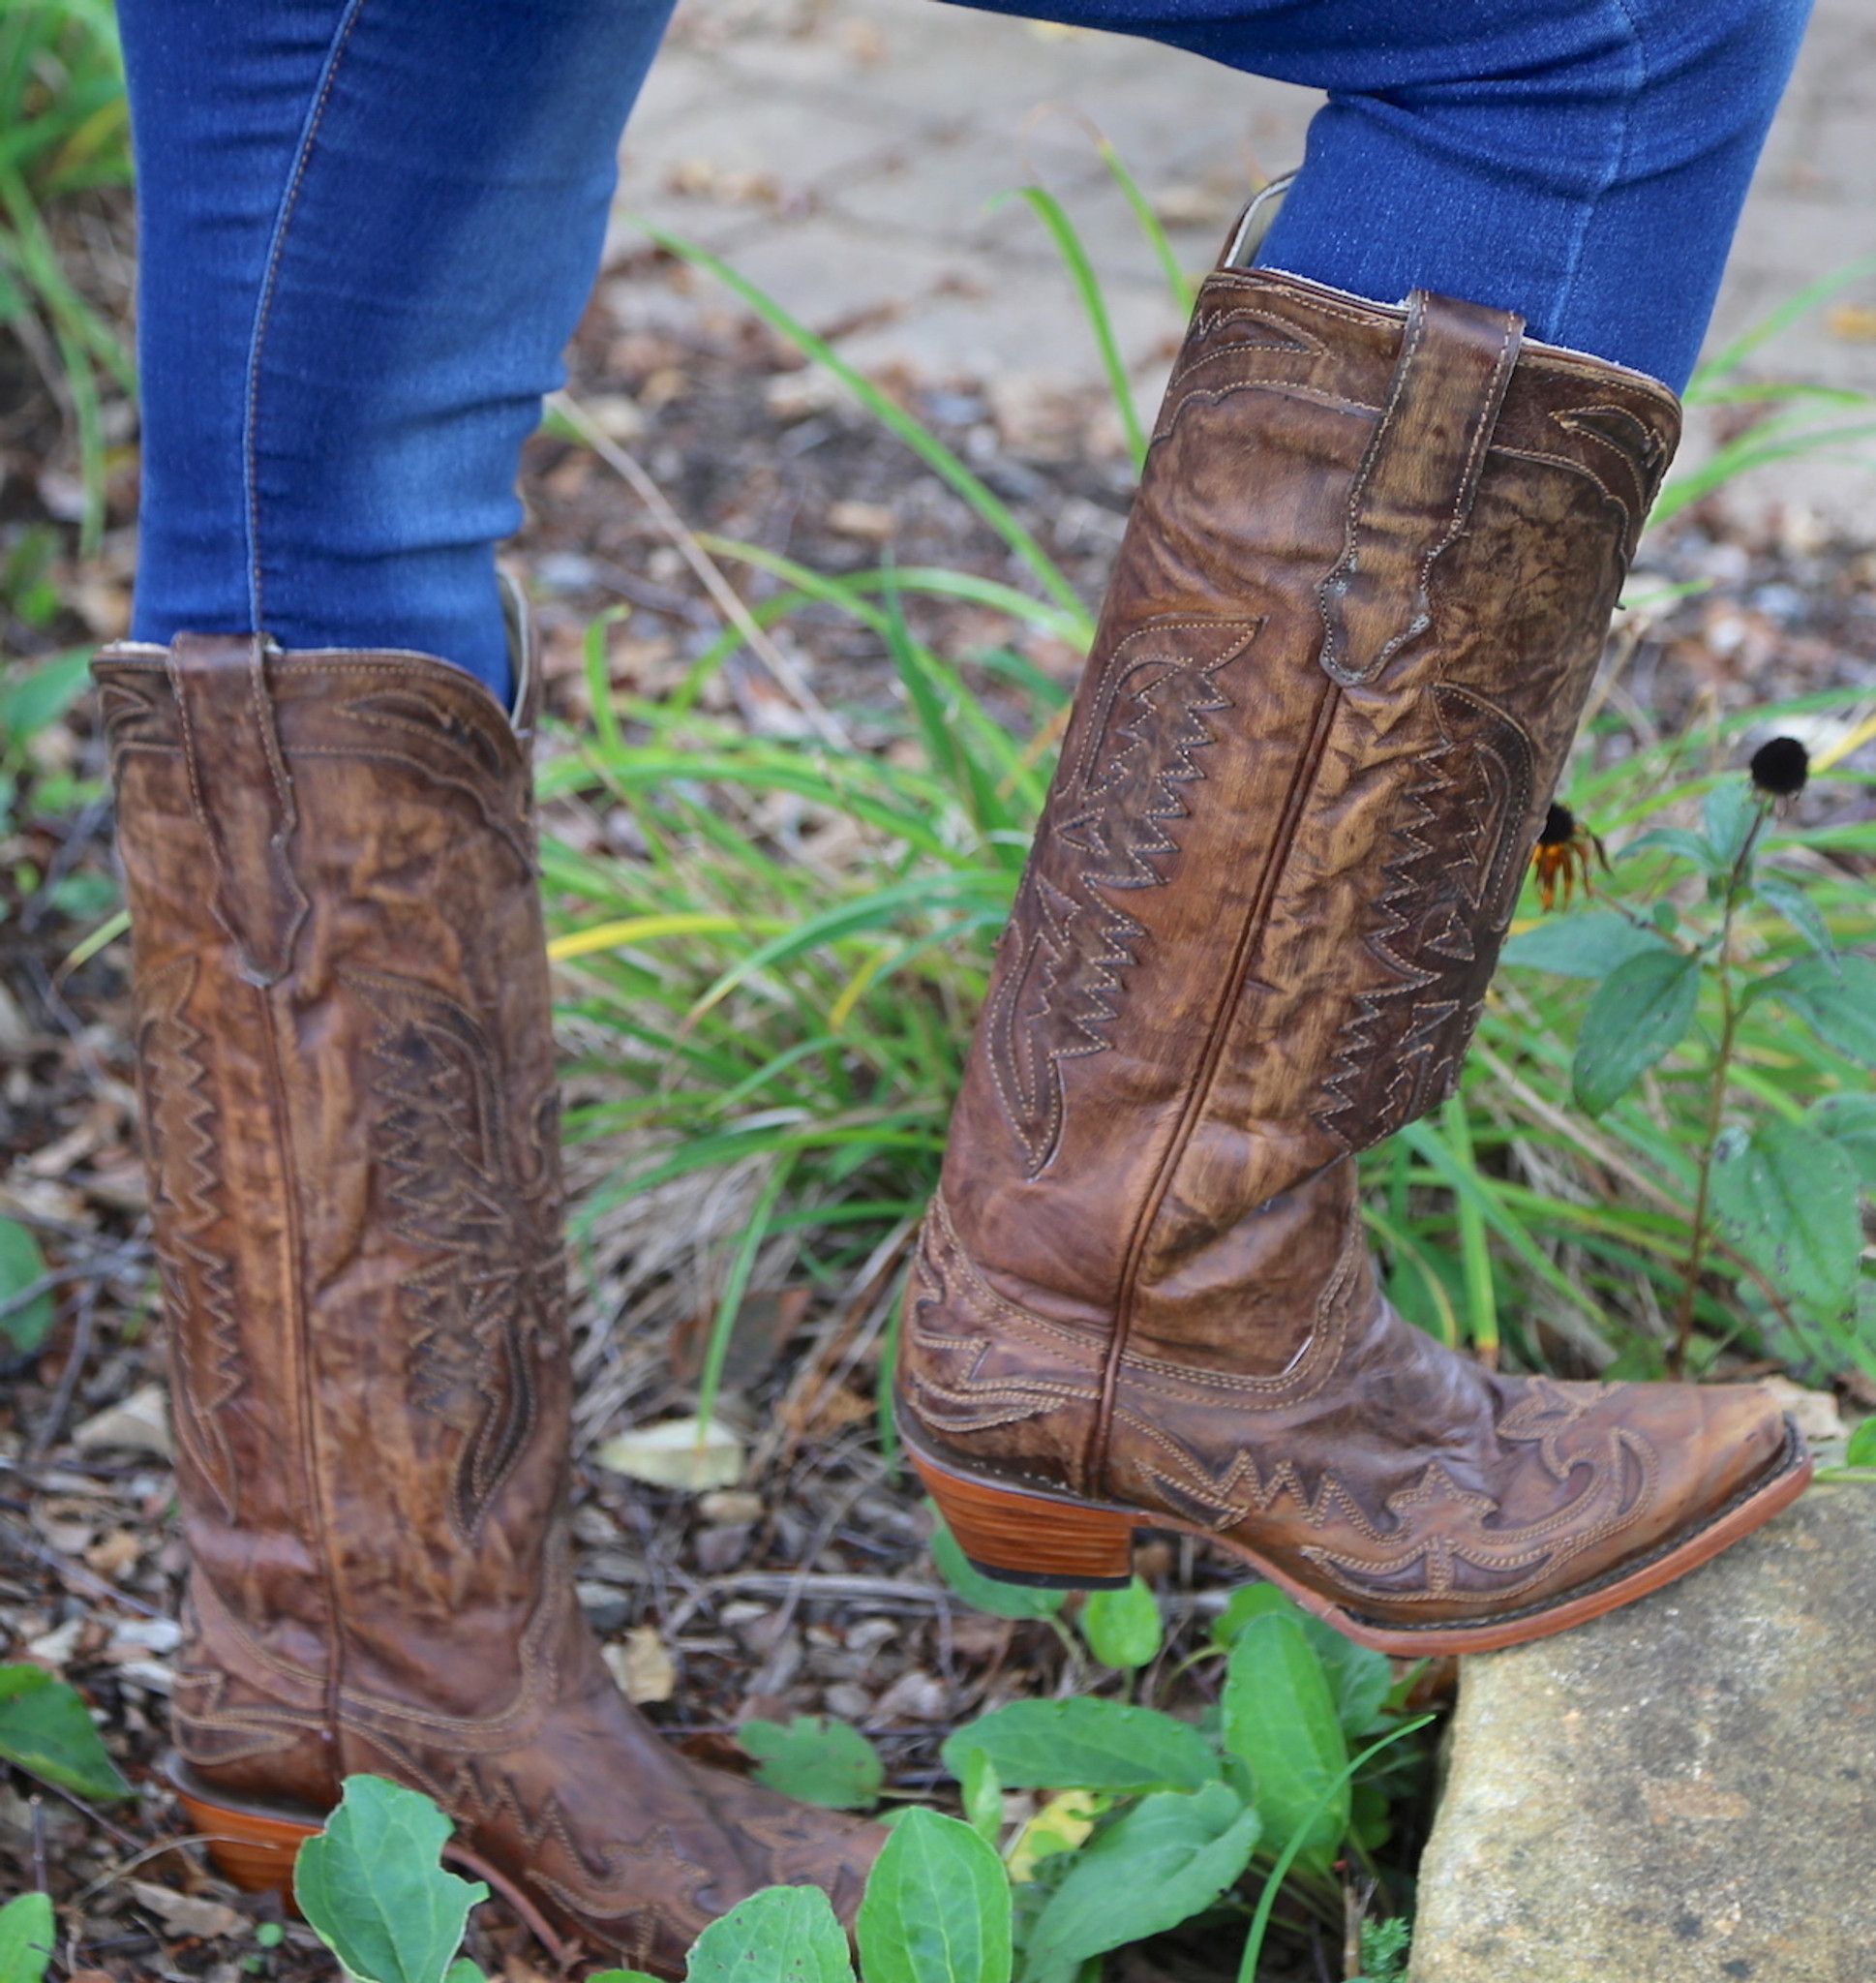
(368, 227)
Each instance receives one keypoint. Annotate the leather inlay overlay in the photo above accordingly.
(1107, 831)
(484, 1309)
(1447, 900)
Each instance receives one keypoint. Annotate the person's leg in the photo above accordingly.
(1580, 161)
(367, 228)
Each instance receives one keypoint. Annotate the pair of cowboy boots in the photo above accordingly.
(1359, 602)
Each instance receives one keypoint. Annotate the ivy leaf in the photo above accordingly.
(1588, 944)
(1789, 899)
(1123, 1628)
(1086, 1743)
(1787, 1198)
(1281, 1720)
(1166, 1860)
(1837, 1001)
(1641, 1010)
(988, 1593)
(373, 1887)
(47, 1731)
(1850, 1122)
(21, 1264)
(1859, 1452)
(936, 1907)
(27, 1935)
(816, 1759)
(779, 1935)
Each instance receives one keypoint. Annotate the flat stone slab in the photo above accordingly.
(1683, 1791)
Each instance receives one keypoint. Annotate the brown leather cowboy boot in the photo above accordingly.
(351, 1123)
(1356, 613)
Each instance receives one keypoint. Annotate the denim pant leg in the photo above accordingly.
(368, 230)
(1582, 162)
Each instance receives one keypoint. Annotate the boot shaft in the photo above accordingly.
(1358, 607)
(350, 1124)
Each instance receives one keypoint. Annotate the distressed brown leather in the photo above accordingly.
(350, 1113)
(1355, 615)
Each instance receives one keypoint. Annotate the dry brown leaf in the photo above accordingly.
(185, 1913)
(642, 1666)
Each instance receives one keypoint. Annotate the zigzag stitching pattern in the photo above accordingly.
(1415, 875)
(1120, 840)
(464, 1308)
(191, 1178)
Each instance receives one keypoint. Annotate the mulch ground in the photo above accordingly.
(806, 1589)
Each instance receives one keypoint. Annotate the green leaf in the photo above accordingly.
(30, 701)
(1729, 813)
(1790, 899)
(1787, 1197)
(1085, 1744)
(21, 1264)
(46, 1729)
(987, 1593)
(816, 1759)
(1674, 839)
(1123, 1628)
(1859, 1452)
(1166, 1860)
(615, 1976)
(1360, 1679)
(1850, 1122)
(936, 1907)
(779, 1935)
(373, 1887)
(1641, 1010)
(27, 1935)
(982, 1791)
(1837, 1001)
(1281, 1720)
(1590, 944)
(463, 1971)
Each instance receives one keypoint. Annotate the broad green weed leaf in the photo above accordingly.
(21, 1264)
(27, 1935)
(1359, 1678)
(816, 1759)
(43, 693)
(1837, 1001)
(1641, 1010)
(46, 1729)
(1789, 899)
(1590, 944)
(985, 1593)
(463, 1971)
(1788, 1198)
(1729, 812)
(1087, 1744)
(982, 1791)
(1674, 839)
(1123, 1628)
(1279, 1719)
(1166, 1860)
(936, 1907)
(615, 1976)
(1859, 1452)
(779, 1934)
(1850, 1122)
(373, 1887)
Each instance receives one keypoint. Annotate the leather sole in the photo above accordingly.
(1027, 1535)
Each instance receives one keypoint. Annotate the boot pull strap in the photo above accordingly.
(241, 793)
(1415, 488)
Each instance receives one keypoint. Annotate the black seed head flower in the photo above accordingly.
(1780, 768)
(1559, 828)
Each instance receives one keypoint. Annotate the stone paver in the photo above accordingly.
(847, 152)
(1682, 1792)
